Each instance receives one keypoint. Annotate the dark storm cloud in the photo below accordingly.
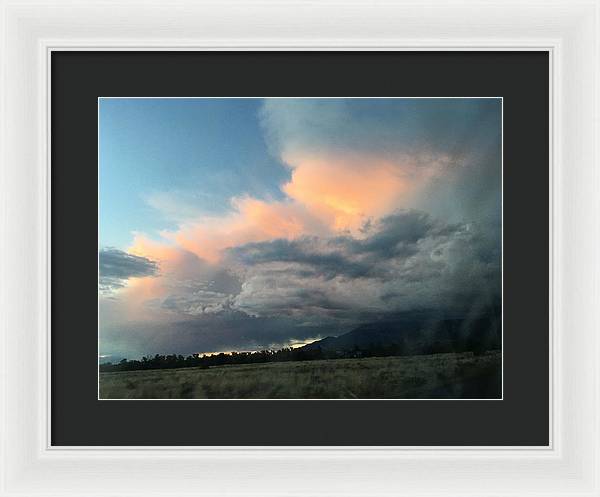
(403, 262)
(309, 253)
(394, 236)
(117, 266)
(236, 331)
(201, 301)
(450, 126)
(397, 234)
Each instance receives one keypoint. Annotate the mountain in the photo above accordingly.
(419, 335)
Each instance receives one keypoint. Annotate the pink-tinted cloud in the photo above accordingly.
(345, 191)
(252, 220)
(326, 195)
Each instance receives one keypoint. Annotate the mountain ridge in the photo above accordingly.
(417, 336)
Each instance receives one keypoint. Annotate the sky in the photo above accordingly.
(245, 224)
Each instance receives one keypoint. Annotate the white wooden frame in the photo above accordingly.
(568, 30)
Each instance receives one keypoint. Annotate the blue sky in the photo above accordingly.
(194, 152)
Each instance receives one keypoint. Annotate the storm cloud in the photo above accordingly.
(116, 267)
(405, 261)
(381, 207)
(419, 128)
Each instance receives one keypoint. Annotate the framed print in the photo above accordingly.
(268, 254)
(346, 241)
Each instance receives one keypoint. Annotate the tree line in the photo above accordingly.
(173, 361)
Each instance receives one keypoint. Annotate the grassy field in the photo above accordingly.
(461, 375)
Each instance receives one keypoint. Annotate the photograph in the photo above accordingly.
(300, 248)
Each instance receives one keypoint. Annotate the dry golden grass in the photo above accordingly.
(461, 375)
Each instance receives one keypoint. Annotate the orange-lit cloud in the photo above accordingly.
(345, 192)
(252, 221)
(151, 249)
(326, 195)
(138, 291)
